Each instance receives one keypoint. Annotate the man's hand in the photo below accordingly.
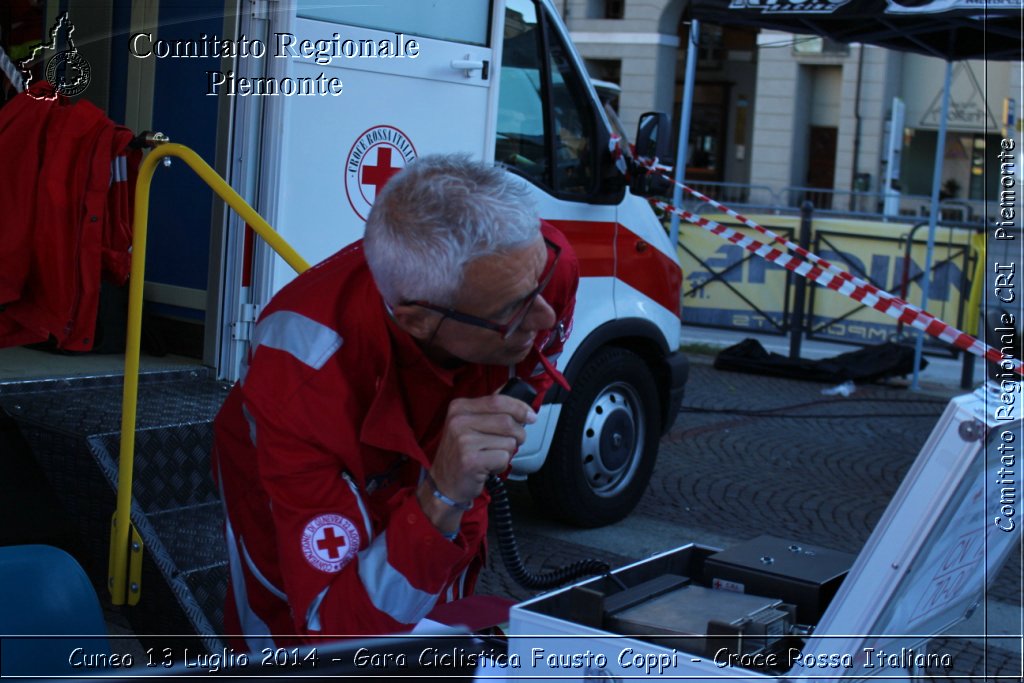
(480, 436)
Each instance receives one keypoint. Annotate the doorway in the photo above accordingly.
(821, 164)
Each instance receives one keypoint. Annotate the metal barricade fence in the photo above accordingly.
(832, 201)
(826, 199)
(738, 194)
(872, 203)
(725, 287)
(893, 263)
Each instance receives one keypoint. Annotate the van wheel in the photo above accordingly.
(604, 448)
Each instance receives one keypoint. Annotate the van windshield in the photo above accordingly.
(546, 121)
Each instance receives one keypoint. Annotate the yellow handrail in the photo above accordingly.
(122, 531)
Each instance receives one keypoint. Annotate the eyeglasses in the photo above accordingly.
(518, 316)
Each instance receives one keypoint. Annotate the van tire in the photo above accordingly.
(605, 445)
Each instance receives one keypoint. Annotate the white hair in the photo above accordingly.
(437, 215)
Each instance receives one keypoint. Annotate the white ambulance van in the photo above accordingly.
(501, 81)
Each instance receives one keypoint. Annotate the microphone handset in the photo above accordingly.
(501, 518)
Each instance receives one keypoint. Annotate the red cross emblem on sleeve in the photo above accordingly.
(329, 542)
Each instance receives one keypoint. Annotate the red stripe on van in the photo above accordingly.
(641, 266)
(592, 242)
(647, 269)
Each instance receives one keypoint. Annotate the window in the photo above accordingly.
(521, 141)
(818, 45)
(574, 123)
(710, 46)
(609, 71)
(546, 121)
(462, 21)
(614, 9)
(707, 131)
(964, 164)
(605, 9)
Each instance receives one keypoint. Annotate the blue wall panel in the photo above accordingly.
(180, 208)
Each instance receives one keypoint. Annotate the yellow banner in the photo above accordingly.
(726, 286)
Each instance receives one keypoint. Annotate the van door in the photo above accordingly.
(550, 132)
(414, 79)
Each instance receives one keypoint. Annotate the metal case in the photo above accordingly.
(752, 623)
(804, 575)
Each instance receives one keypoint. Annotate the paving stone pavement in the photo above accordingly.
(818, 469)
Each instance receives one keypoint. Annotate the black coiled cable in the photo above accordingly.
(501, 518)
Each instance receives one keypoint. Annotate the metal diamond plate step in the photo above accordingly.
(73, 428)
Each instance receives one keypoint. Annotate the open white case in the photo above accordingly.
(942, 539)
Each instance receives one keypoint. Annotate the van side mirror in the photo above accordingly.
(653, 137)
(653, 140)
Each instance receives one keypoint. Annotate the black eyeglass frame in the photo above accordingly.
(507, 328)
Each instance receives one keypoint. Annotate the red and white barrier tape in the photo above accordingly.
(615, 147)
(779, 239)
(822, 272)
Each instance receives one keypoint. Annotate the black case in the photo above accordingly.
(803, 575)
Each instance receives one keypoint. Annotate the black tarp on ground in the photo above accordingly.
(869, 364)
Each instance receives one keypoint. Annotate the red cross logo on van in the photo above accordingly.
(380, 174)
(376, 155)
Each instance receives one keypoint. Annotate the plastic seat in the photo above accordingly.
(45, 593)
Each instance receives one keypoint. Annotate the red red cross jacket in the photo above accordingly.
(318, 451)
(66, 192)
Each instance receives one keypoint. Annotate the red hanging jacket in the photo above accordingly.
(69, 217)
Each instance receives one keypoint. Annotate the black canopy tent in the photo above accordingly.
(948, 29)
(951, 30)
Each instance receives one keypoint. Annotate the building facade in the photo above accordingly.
(778, 112)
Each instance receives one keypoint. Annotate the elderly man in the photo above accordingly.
(352, 454)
